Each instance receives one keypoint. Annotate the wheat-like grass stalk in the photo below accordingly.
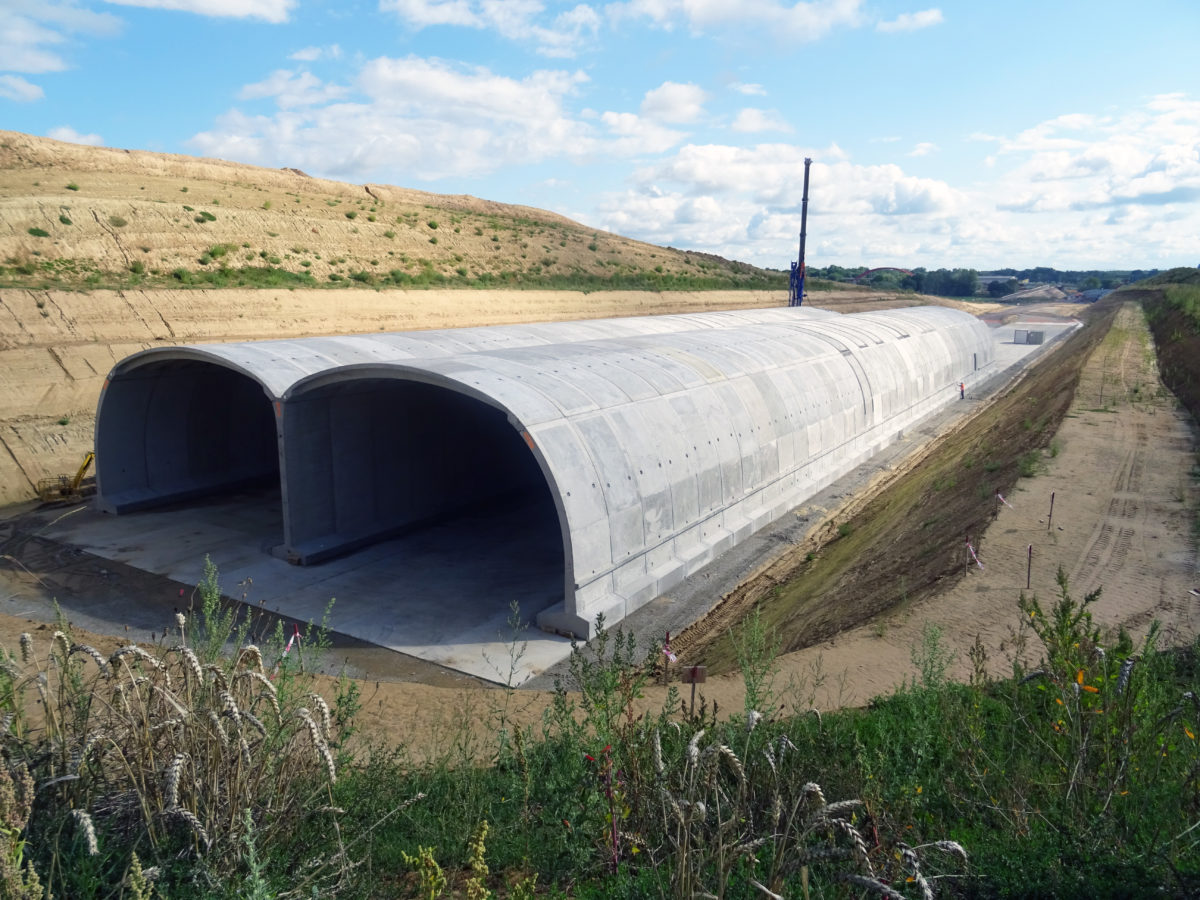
(770, 894)
(87, 829)
(96, 656)
(229, 708)
(219, 678)
(135, 651)
(734, 763)
(171, 780)
(871, 884)
(318, 741)
(166, 694)
(250, 655)
(60, 641)
(813, 789)
(189, 817)
(191, 663)
(856, 840)
(323, 708)
(255, 721)
(910, 859)
(693, 747)
(833, 810)
(26, 647)
(218, 728)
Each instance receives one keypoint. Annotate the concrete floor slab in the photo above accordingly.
(443, 594)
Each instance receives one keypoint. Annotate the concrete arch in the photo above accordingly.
(182, 425)
(658, 443)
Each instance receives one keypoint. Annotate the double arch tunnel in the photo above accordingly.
(645, 446)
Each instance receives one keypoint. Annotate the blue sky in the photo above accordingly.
(981, 134)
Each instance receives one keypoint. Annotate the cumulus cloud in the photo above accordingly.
(33, 34)
(750, 121)
(292, 89)
(674, 102)
(632, 135)
(274, 11)
(911, 21)
(560, 35)
(312, 54)
(750, 90)
(744, 202)
(1077, 162)
(805, 21)
(923, 149)
(66, 133)
(14, 87)
(413, 119)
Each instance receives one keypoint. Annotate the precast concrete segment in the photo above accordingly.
(146, 460)
(657, 442)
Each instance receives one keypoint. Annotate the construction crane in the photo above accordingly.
(65, 488)
(796, 281)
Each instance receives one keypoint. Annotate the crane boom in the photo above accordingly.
(796, 282)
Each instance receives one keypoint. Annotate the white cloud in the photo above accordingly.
(14, 87)
(412, 119)
(423, 13)
(66, 133)
(674, 102)
(518, 20)
(312, 54)
(805, 21)
(32, 33)
(1148, 157)
(292, 89)
(750, 90)
(274, 11)
(923, 149)
(911, 21)
(634, 135)
(750, 121)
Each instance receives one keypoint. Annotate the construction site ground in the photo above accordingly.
(1125, 499)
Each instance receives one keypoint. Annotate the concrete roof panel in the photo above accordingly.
(661, 439)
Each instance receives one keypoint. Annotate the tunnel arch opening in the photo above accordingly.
(377, 455)
(174, 429)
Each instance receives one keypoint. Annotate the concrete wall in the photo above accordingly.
(661, 442)
(181, 428)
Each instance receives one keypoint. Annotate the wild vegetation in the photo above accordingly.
(145, 220)
(179, 771)
(1172, 304)
(966, 282)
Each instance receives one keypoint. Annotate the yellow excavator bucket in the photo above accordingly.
(58, 488)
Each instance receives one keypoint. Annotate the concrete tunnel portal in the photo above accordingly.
(631, 451)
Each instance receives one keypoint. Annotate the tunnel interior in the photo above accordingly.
(369, 459)
(180, 429)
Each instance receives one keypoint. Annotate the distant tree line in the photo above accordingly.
(966, 283)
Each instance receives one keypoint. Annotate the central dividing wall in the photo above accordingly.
(655, 443)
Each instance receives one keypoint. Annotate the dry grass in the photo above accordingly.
(164, 751)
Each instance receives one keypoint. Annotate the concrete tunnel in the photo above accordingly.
(642, 447)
